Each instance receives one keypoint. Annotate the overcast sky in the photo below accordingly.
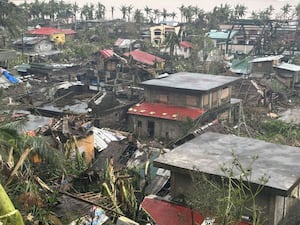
(173, 5)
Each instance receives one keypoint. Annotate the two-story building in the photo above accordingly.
(175, 102)
(211, 153)
(159, 33)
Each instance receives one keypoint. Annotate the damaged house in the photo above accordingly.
(279, 198)
(288, 74)
(263, 66)
(174, 103)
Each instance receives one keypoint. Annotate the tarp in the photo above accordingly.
(9, 76)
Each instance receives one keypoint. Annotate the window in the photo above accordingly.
(139, 124)
(225, 93)
(191, 100)
(215, 98)
(205, 100)
(163, 98)
(157, 32)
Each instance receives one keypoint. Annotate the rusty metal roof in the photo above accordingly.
(164, 111)
(144, 57)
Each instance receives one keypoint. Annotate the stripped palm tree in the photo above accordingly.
(171, 42)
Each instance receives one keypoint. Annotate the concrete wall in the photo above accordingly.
(163, 129)
(43, 46)
(189, 99)
(262, 68)
(285, 205)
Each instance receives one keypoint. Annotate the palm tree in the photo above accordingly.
(75, 9)
(100, 12)
(112, 9)
(182, 9)
(188, 13)
(123, 11)
(34, 9)
(156, 14)
(53, 9)
(85, 11)
(91, 12)
(164, 14)
(239, 11)
(148, 12)
(171, 41)
(173, 15)
(138, 16)
(286, 10)
(129, 9)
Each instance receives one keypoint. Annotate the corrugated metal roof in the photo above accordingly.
(241, 66)
(288, 66)
(29, 40)
(267, 58)
(144, 57)
(164, 111)
(222, 35)
(103, 137)
(186, 44)
(165, 212)
(191, 81)
(124, 43)
(50, 30)
(107, 53)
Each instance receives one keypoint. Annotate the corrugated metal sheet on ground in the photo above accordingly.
(103, 137)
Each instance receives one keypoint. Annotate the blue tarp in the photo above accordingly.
(10, 77)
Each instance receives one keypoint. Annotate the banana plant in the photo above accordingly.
(8, 214)
(118, 186)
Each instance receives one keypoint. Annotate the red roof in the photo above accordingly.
(107, 53)
(186, 44)
(164, 111)
(165, 213)
(144, 57)
(50, 30)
